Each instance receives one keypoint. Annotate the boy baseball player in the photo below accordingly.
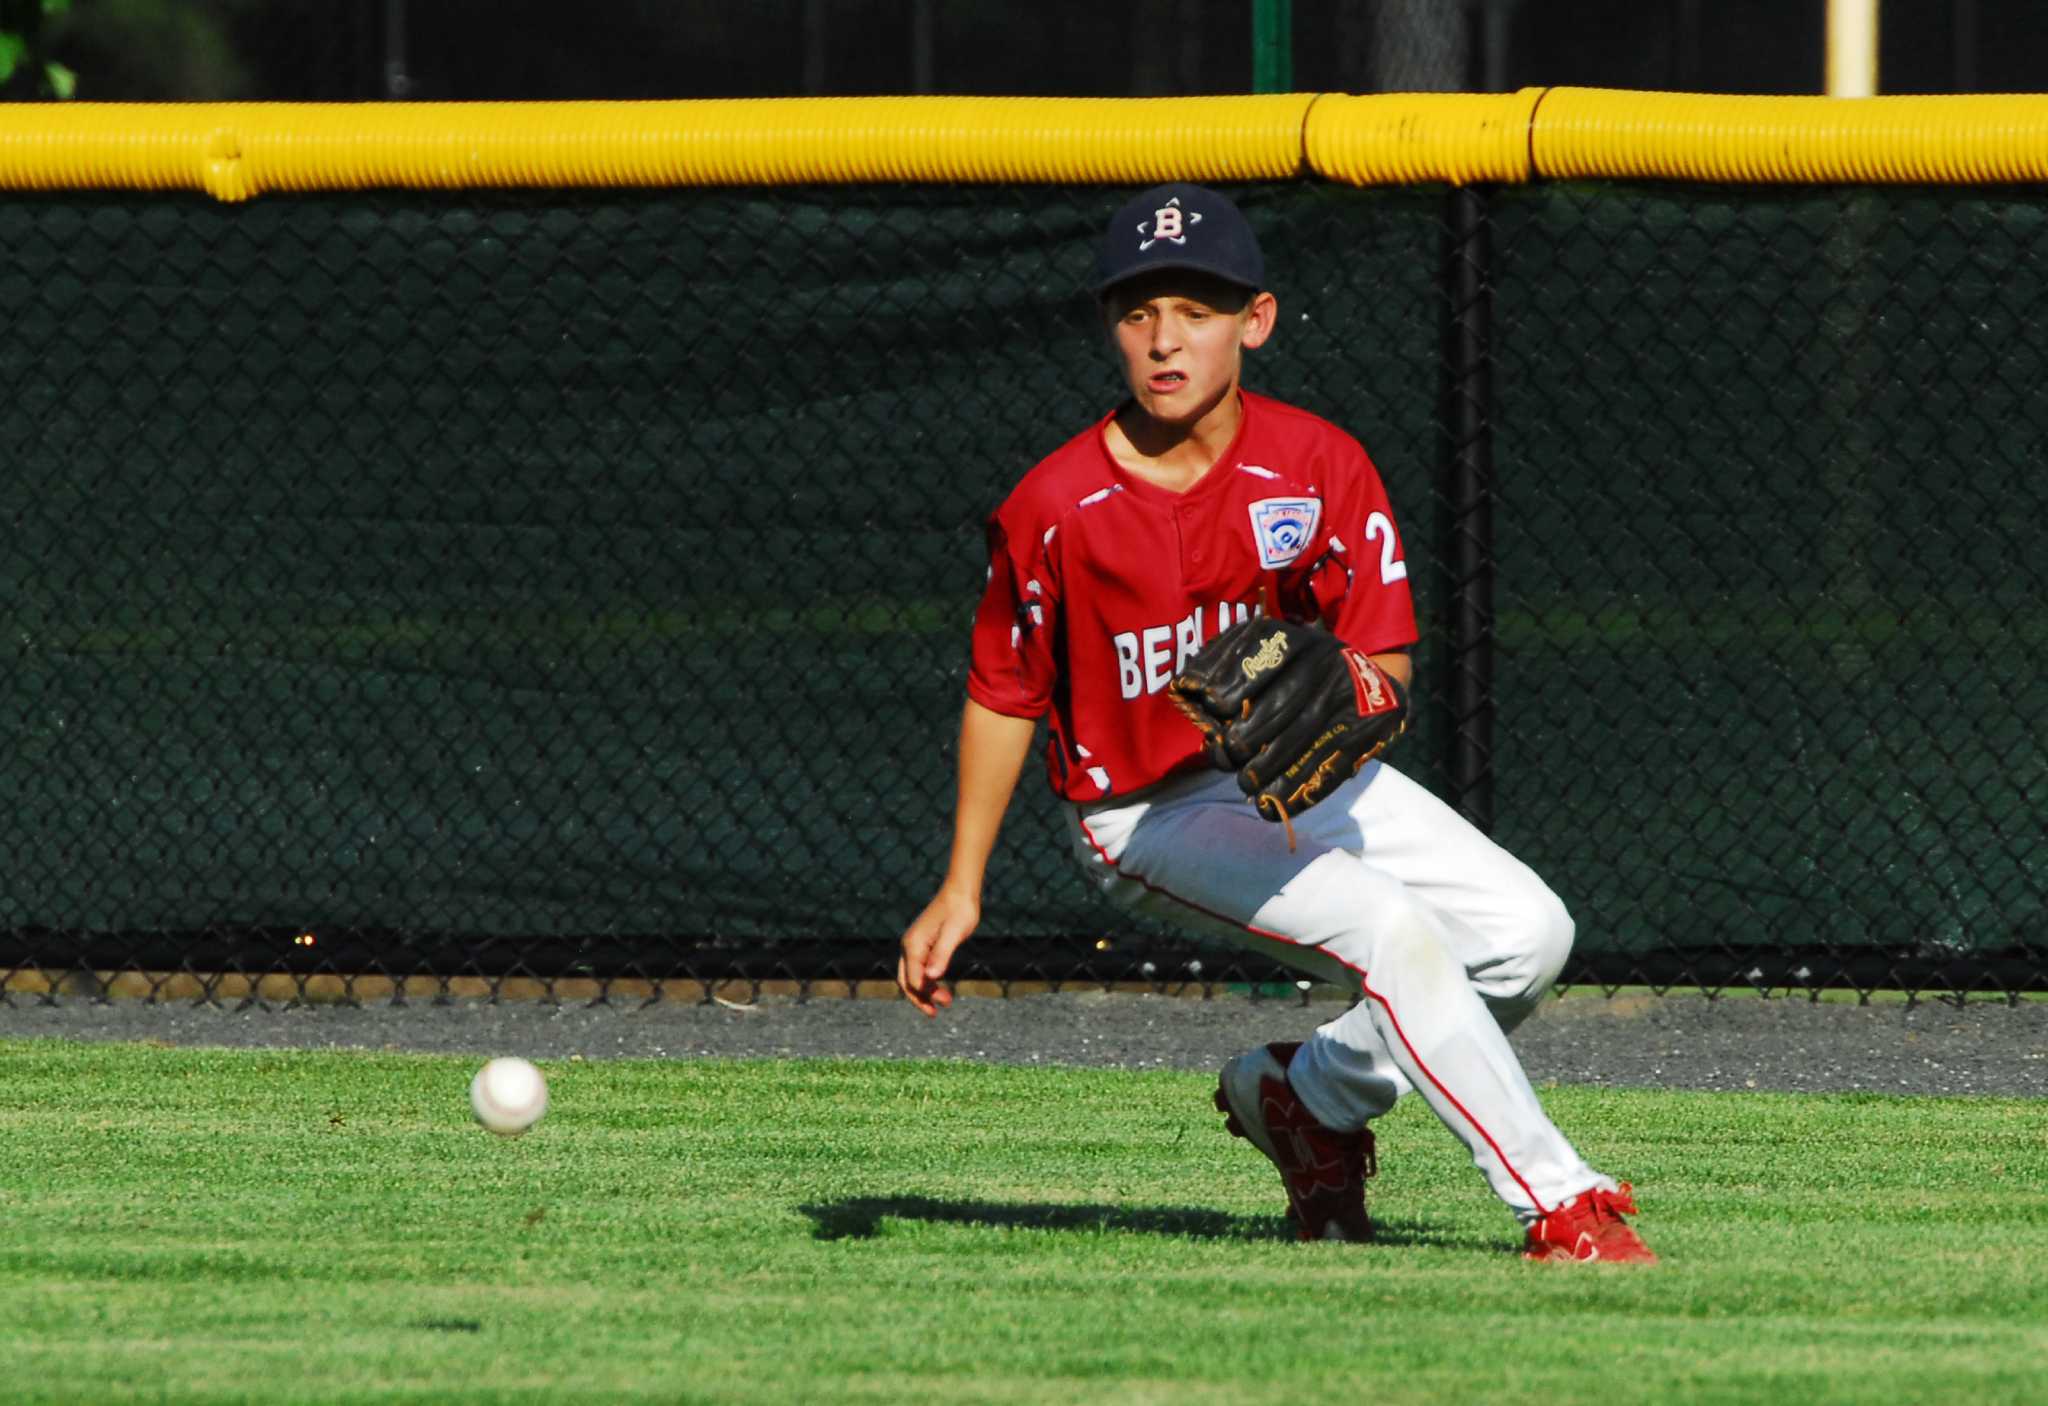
(1191, 507)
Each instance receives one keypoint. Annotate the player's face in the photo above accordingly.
(1182, 338)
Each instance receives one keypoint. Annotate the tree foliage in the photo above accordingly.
(26, 68)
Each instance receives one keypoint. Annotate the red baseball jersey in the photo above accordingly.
(1101, 585)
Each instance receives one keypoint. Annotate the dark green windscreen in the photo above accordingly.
(576, 564)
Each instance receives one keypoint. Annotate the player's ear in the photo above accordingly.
(1258, 319)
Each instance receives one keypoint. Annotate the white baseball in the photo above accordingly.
(508, 1095)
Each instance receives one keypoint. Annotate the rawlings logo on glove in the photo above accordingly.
(1271, 653)
(1290, 708)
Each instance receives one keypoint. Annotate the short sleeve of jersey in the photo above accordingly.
(1367, 603)
(1014, 667)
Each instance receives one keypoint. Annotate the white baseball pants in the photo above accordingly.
(1450, 939)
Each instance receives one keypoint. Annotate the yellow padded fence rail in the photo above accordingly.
(236, 151)
(1970, 139)
(1419, 138)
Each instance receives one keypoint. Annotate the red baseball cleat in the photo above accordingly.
(1324, 1171)
(1590, 1227)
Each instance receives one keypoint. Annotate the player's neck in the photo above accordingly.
(1173, 456)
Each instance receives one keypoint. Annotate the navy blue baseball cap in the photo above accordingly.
(1180, 226)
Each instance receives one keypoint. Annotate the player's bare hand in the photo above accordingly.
(928, 947)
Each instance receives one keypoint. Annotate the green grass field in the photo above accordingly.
(204, 1225)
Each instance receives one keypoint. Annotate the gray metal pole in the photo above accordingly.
(924, 24)
(1963, 22)
(1685, 46)
(1494, 18)
(816, 44)
(397, 81)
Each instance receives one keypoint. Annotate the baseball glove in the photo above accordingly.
(1290, 708)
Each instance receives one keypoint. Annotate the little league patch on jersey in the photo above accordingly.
(1283, 528)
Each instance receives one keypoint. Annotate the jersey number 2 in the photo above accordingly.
(1392, 568)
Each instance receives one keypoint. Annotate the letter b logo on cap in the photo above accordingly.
(1164, 219)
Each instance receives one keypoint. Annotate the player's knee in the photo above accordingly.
(1547, 942)
(1537, 930)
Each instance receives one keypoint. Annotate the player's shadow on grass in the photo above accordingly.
(861, 1217)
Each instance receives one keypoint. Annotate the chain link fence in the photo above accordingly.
(435, 594)
(1770, 462)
